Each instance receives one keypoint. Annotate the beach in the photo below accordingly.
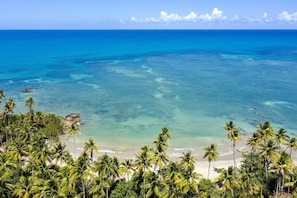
(224, 160)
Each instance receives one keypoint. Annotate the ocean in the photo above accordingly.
(128, 84)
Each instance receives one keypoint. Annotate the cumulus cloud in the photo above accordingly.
(192, 16)
(216, 15)
(285, 16)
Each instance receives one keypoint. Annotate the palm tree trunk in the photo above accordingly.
(92, 154)
(234, 157)
(277, 187)
(208, 169)
(74, 147)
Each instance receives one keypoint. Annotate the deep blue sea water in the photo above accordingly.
(127, 85)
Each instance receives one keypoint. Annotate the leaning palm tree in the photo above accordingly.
(211, 152)
(234, 136)
(90, 147)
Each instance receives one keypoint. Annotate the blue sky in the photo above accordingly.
(153, 14)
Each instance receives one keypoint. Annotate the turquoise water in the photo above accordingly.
(127, 85)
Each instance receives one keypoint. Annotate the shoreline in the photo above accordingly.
(224, 160)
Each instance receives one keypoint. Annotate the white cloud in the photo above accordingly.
(192, 16)
(285, 16)
(216, 15)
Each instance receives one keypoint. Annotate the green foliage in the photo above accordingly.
(208, 189)
(123, 189)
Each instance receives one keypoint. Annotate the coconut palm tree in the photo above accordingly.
(25, 188)
(98, 187)
(107, 169)
(173, 177)
(2, 95)
(80, 173)
(188, 161)
(30, 102)
(211, 152)
(281, 136)
(159, 155)
(282, 166)
(90, 147)
(267, 151)
(227, 180)
(73, 130)
(249, 183)
(127, 167)
(153, 185)
(254, 141)
(60, 152)
(265, 131)
(7, 110)
(234, 136)
(144, 159)
(292, 144)
(41, 155)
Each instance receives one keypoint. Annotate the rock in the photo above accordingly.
(28, 90)
(72, 118)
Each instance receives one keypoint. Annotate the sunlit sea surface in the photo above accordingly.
(127, 85)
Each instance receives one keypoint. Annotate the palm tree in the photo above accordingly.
(227, 180)
(234, 136)
(60, 153)
(41, 155)
(172, 175)
(211, 152)
(283, 168)
(249, 183)
(98, 187)
(143, 159)
(127, 167)
(80, 173)
(30, 103)
(90, 147)
(73, 130)
(153, 185)
(292, 144)
(265, 131)
(268, 150)
(8, 109)
(254, 141)
(188, 161)
(281, 136)
(25, 188)
(2, 95)
(107, 169)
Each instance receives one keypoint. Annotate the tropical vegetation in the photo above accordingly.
(35, 163)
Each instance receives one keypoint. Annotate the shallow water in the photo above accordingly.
(127, 85)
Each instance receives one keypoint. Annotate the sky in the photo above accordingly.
(144, 14)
